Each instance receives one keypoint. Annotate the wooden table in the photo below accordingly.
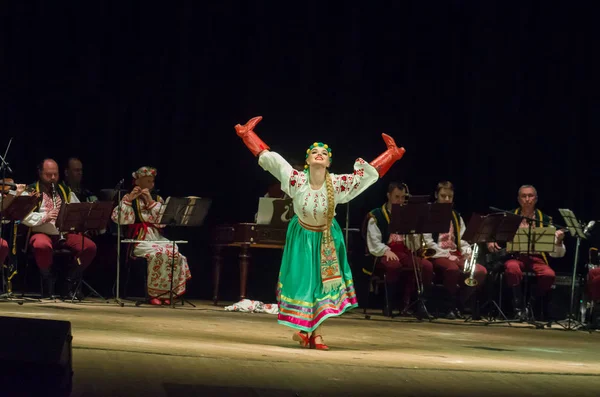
(244, 256)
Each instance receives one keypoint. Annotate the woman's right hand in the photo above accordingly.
(493, 247)
(135, 193)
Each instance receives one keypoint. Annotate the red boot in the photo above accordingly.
(155, 301)
(384, 162)
(251, 140)
(318, 346)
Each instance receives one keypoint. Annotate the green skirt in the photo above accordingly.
(302, 303)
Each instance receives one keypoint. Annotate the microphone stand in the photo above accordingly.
(530, 318)
(7, 290)
(118, 193)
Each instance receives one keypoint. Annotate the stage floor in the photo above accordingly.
(160, 351)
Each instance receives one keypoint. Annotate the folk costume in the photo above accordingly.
(545, 276)
(447, 246)
(45, 237)
(141, 218)
(315, 280)
(400, 272)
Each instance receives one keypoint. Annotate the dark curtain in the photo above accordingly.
(489, 95)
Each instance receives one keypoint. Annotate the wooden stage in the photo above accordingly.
(205, 351)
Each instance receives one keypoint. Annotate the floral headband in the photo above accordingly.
(318, 144)
(144, 171)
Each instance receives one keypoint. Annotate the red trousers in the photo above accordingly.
(453, 277)
(43, 245)
(3, 251)
(593, 285)
(513, 272)
(404, 266)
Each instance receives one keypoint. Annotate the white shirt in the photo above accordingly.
(39, 222)
(311, 205)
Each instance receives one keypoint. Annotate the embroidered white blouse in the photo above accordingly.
(311, 205)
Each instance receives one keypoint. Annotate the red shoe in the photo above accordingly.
(167, 302)
(302, 338)
(155, 301)
(318, 346)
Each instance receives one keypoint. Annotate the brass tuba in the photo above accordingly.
(470, 267)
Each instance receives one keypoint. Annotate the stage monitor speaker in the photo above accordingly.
(36, 357)
(561, 295)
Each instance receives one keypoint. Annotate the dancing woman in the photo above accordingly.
(315, 281)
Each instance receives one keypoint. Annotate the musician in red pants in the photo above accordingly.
(514, 267)
(592, 289)
(46, 237)
(397, 252)
(451, 254)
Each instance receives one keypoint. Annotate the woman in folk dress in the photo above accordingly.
(315, 281)
(140, 210)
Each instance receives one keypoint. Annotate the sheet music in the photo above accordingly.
(573, 224)
(541, 241)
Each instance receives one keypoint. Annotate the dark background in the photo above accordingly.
(489, 95)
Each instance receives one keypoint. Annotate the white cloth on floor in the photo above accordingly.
(250, 306)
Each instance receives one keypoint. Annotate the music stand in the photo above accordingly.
(81, 218)
(492, 228)
(17, 209)
(530, 241)
(182, 212)
(576, 231)
(411, 219)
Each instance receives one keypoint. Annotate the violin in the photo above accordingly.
(8, 184)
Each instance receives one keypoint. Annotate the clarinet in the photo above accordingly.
(62, 237)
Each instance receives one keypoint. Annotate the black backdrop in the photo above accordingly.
(488, 95)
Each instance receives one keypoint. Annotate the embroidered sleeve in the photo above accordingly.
(348, 186)
(39, 217)
(291, 180)
(126, 216)
(153, 211)
(33, 219)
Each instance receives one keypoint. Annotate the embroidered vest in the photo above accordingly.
(63, 191)
(382, 220)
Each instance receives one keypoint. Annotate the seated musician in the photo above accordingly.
(6, 196)
(140, 209)
(73, 177)
(593, 288)
(46, 237)
(393, 249)
(514, 267)
(451, 254)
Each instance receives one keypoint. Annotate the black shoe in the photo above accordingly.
(454, 314)
(387, 312)
(48, 284)
(520, 315)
